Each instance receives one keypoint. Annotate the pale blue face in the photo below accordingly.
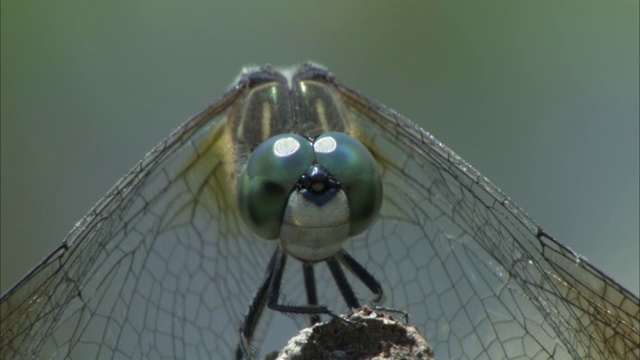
(292, 164)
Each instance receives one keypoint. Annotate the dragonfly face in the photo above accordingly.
(168, 262)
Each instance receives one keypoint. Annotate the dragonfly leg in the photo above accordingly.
(342, 282)
(361, 273)
(310, 287)
(274, 291)
(254, 312)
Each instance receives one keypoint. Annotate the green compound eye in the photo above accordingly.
(353, 166)
(277, 165)
(269, 177)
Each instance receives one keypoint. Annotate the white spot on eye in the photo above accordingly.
(285, 146)
(325, 145)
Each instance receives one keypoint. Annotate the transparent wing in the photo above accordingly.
(477, 275)
(146, 274)
(163, 268)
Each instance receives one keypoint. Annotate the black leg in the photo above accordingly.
(310, 287)
(254, 313)
(343, 284)
(269, 292)
(361, 273)
(274, 291)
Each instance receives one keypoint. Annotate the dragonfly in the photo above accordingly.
(249, 213)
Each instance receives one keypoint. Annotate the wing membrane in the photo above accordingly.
(145, 273)
(163, 267)
(531, 296)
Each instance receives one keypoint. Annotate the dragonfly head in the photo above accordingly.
(311, 194)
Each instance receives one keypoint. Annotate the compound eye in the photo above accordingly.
(265, 183)
(353, 166)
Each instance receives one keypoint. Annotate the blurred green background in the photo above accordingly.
(540, 96)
